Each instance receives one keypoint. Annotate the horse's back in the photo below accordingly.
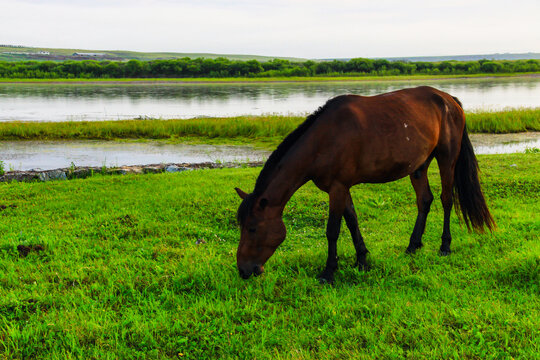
(384, 137)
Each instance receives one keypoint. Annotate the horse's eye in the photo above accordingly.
(251, 230)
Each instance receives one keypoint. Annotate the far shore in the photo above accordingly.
(269, 79)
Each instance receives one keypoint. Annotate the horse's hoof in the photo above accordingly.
(324, 281)
(362, 266)
(412, 248)
(445, 252)
(325, 278)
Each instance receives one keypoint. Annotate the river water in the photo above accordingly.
(46, 155)
(94, 102)
(65, 102)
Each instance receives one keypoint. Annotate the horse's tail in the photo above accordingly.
(468, 196)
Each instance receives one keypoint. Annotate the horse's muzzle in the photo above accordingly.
(245, 272)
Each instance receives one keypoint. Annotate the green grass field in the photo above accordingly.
(266, 131)
(113, 270)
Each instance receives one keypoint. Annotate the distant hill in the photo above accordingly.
(21, 53)
(505, 56)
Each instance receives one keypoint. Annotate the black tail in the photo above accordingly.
(468, 195)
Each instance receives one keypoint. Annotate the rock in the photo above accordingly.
(80, 173)
(152, 169)
(19, 176)
(132, 169)
(52, 175)
(175, 168)
(117, 171)
(84, 172)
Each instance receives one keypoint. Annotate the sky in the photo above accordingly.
(296, 28)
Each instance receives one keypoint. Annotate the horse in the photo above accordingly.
(354, 139)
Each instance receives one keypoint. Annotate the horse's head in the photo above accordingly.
(261, 232)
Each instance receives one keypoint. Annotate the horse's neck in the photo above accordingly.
(286, 181)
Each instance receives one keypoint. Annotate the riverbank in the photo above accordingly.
(264, 131)
(127, 266)
(280, 79)
(83, 172)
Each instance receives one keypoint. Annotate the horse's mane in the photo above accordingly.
(277, 155)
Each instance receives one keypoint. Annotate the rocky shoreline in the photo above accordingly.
(87, 171)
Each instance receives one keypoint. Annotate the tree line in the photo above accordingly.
(222, 67)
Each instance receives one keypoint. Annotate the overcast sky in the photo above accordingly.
(299, 28)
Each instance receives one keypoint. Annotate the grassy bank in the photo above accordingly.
(506, 121)
(276, 78)
(262, 130)
(116, 272)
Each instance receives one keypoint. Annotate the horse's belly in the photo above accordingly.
(394, 173)
(391, 166)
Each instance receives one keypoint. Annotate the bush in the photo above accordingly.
(222, 67)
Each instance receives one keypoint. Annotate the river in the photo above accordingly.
(46, 155)
(94, 102)
(91, 101)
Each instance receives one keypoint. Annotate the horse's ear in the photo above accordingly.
(242, 194)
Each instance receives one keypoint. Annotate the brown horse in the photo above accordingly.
(356, 139)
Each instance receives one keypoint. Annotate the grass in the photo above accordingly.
(265, 131)
(506, 121)
(113, 271)
(276, 79)
(260, 129)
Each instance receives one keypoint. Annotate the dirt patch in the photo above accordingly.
(24, 250)
(4, 207)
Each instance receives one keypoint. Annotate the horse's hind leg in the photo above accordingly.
(446, 168)
(352, 223)
(424, 198)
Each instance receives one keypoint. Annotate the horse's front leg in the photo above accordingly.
(338, 201)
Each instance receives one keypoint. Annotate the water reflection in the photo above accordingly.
(505, 143)
(62, 102)
(26, 155)
(46, 155)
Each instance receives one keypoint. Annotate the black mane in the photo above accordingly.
(275, 158)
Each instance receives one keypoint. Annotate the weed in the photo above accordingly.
(72, 168)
